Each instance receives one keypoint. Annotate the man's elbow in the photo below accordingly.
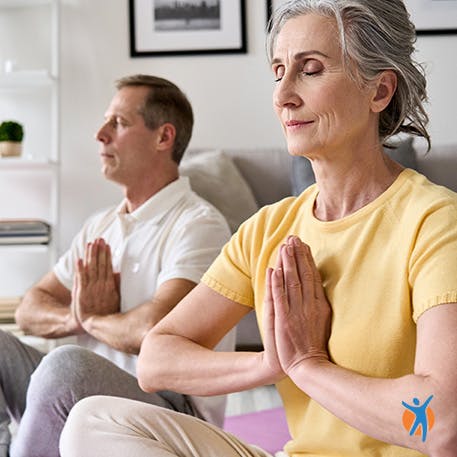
(21, 315)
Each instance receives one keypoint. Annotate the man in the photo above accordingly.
(126, 269)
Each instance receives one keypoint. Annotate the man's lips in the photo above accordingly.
(106, 155)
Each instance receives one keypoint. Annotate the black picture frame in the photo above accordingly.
(433, 17)
(223, 33)
(271, 6)
(430, 17)
(269, 10)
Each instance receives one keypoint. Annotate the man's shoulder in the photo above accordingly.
(192, 205)
(194, 214)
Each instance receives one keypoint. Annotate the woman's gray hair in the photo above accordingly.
(375, 35)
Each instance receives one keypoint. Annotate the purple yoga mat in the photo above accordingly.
(266, 429)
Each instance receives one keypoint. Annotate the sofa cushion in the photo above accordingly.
(439, 164)
(266, 170)
(302, 175)
(214, 177)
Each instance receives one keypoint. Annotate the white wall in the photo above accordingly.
(231, 95)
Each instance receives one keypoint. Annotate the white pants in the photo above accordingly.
(102, 426)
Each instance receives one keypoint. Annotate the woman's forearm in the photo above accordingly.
(374, 406)
(176, 363)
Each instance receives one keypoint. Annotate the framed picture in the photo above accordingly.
(170, 27)
(432, 17)
(271, 6)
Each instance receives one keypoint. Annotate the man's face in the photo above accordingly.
(127, 146)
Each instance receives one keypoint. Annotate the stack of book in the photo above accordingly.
(8, 306)
(24, 231)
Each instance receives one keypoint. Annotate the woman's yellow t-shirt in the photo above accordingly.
(381, 267)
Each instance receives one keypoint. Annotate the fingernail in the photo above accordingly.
(290, 250)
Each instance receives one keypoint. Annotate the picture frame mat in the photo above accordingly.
(433, 16)
(228, 37)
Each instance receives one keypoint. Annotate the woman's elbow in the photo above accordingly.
(147, 370)
(143, 378)
(442, 439)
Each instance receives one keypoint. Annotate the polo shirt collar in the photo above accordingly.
(160, 203)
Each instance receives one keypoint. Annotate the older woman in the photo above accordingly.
(354, 281)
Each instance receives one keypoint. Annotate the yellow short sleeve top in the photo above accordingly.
(381, 267)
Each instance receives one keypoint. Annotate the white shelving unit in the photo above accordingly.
(29, 94)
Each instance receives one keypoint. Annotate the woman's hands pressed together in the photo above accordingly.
(297, 315)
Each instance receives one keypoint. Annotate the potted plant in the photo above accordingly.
(11, 135)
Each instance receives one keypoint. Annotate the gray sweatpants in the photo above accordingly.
(39, 390)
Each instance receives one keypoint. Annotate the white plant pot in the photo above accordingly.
(10, 148)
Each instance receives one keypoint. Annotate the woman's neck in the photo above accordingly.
(350, 185)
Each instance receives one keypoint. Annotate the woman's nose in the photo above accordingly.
(285, 94)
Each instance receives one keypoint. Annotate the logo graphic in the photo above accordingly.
(418, 419)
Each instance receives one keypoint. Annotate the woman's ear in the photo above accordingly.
(385, 87)
(167, 135)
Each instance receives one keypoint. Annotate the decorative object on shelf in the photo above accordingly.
(9, 65)
(24, 231)
(432, 17)
(168, 27)
(8, 306)
(11, 135)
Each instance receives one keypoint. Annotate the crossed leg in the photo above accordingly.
(103, 426)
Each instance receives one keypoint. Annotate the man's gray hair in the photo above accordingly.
(164, 103)
(375, 35)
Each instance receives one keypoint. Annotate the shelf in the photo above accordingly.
(26, 79)
(29, 92)
(31, 248)
(21, 163)
(23, 3)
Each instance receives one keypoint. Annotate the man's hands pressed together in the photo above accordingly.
(96, 289)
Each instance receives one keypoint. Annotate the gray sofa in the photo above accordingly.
(267, 173)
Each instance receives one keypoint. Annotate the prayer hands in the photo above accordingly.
(297, 315)
(96, 287)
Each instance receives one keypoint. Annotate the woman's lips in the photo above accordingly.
(295, 123)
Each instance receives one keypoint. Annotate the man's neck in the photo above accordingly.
(136, 195)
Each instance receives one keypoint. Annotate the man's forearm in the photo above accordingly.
(118, 331)
(41, 314)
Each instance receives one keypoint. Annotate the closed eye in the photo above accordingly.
(279, 71)
(312, 67)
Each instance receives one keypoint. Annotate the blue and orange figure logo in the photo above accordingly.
(418, 419)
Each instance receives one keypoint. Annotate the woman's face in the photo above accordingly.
(320, 107)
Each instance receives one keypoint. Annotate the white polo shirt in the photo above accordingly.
(175, 234)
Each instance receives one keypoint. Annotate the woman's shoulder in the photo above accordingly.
(424, 190)
(419, 199)
(270, 217)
